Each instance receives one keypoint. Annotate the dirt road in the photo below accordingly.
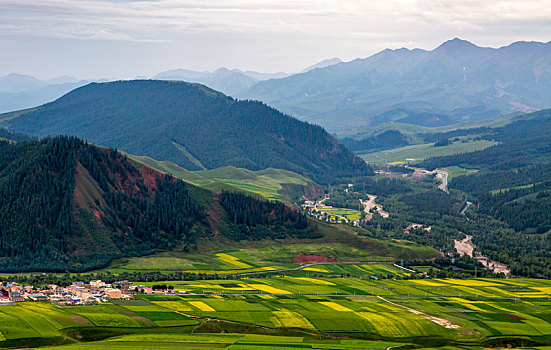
(370, 204)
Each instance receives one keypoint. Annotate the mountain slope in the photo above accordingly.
(68, 205)
(322, 64)
(458, 81)
(192, 126)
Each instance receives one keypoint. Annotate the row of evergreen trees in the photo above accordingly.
(254, 218)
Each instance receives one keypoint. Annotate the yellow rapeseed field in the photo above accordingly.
(470, 283)
(266, 296)
(173, 305)
(286, 318)
(429, 283)
(313, 280)
(335, 306)
(315, 269)
(232, 260)
(268, 289)
(384, 325)
(201, 306)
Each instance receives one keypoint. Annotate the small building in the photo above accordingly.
(123, 285)
(38, 297)
(5, 301)
(97, 284)
(114, 293)
(16, 296)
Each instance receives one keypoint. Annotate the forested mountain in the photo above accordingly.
(69, 205)
(192, 126)
(386, 140)
(521, 143)
(6, 134)
(457, 81)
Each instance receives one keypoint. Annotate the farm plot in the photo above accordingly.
(337, 213)
(156, 313)
(325, 314)
(103, 316)
(30, 320)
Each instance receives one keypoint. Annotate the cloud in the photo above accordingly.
(158, 20)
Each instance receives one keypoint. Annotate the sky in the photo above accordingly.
(126, 38)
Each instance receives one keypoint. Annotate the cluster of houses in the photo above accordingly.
(315, 210)
(78, 293)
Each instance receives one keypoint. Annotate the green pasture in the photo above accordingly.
(267, 183)
(423, 151)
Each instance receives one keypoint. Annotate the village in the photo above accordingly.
(320, 210)
(78, 293)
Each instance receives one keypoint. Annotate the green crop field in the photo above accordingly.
(299, 311)
(349, 214)
(416, 153)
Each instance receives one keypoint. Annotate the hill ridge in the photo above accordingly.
(145, 117)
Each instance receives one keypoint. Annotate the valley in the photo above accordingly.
(382, 261)
(175, 216)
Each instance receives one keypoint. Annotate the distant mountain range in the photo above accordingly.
(192, 126)
(19, 91)
(232, 82)
(322, 64)
(456, 82)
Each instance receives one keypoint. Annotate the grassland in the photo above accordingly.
(267, 183)
(297, 312)
(417, 153)
(455, 171)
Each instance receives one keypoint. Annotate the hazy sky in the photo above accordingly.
(126, 38)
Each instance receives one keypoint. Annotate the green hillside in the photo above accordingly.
(192, 126)
(269, 183)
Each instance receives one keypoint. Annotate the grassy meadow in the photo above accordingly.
(267, 183)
